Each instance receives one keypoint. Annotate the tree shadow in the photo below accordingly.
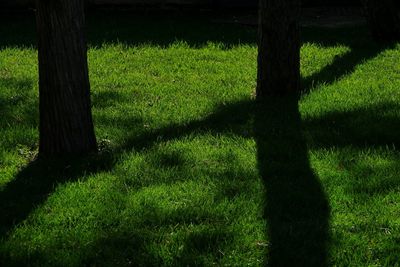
(376, 126)
(228, 119)
(15, 108)
(39, 179)
(296, 210)
(362, 48)
(130, 246)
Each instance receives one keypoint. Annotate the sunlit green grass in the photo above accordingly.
(177, 182)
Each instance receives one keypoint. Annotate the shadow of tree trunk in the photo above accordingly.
(362, 48)
(296, 208)
(37, 181)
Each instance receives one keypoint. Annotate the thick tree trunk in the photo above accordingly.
(279, 47)
(66, 125)
(383, 18)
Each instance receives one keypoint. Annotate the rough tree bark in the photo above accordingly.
(383, 18)
(66, 125)
(279, 47)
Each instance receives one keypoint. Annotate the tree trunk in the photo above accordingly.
(279, 48)
(383, 18)
(66, 125)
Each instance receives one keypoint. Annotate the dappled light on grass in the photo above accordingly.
(185, 173)
(192, 209)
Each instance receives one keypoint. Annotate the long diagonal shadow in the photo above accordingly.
(362, 48)
(297, 211)
(35, 182)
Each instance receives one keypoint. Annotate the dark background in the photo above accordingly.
(17, 4)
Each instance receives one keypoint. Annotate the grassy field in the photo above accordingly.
(191, 170)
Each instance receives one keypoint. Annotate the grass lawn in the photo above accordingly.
(193, 172)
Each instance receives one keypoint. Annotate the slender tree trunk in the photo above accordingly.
(279, 47)
(66, 125)
(383, 18)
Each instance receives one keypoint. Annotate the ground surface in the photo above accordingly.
(191, 171)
